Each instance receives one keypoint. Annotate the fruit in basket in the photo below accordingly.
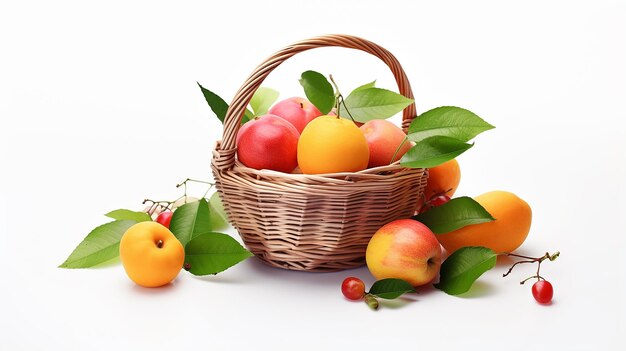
(384, 139)
(268, 142)
(330, 144)
(512, 215)
(151, 254)
(443, 179)
(404, 249)
(297, 111)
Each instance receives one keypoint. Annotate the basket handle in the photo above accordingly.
(225, 157)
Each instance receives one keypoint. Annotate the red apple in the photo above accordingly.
(268, 142)
(298, 111)
(384, 138)
(404, 249)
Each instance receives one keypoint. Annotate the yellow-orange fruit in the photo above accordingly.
(329, 144)
(442, 178)
(151, 255)
(513, 217)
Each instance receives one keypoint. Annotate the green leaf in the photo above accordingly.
(454, 214)
(371, 84)
(100, 245)
(211, 253)
(191, 220)
(318, 90)
(463, 267)
(220, 107)
(433, 151)
(262, 99)
(373, 103)
(247, 116)
(137, 216)
(219, 220)
(216, 103)
(391, 288)
(454, 122)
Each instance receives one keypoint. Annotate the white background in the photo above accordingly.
(100, 109)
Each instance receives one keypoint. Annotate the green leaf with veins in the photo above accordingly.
(433, 151)
(454, 214)
(366, 104)
(371, 84)
(459, 271)
(391, 288)
(137, 216)
(219, 219)
(454, 122)
(211, 253)
(100, 245)
(191, 220)
(220, 107)
(262, 100)
(318, 90)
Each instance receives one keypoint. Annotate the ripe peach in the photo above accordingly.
(443, 179)
(268, 142)
(151, 255)
(404, 249)
(384, 138)
(330, 144)
(513, 218)
(297, 111)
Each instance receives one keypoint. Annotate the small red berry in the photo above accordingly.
(439, 200)
(165, 218)
(353, 288)
(542, 291)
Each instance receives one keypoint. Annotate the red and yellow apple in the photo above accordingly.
(384, 138)
(404, 249)
(297, 111)
(268, 142)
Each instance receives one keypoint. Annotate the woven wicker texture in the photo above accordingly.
(312, 222)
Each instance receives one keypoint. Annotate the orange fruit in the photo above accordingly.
(513, 218)
(442, 178)
(329, 144)
(151, 255)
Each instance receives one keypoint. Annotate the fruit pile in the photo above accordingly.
(449, 241)
(294, 136)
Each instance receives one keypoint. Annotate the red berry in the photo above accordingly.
(542, 291)
(439, 200)
(165, 218)
(353, 288)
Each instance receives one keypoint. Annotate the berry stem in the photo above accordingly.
(528, 259)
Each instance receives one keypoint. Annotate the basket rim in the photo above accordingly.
(340, 177)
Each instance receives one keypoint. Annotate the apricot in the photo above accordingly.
(151, 255)
(443, 179)
(268, 142)
(384, 139)
(404, 249)
(330, 144)
(506, 233)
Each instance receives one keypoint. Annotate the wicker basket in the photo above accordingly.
(312, 222)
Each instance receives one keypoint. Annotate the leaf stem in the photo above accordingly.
(406, 138)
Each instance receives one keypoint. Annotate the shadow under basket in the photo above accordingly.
(316, 223)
